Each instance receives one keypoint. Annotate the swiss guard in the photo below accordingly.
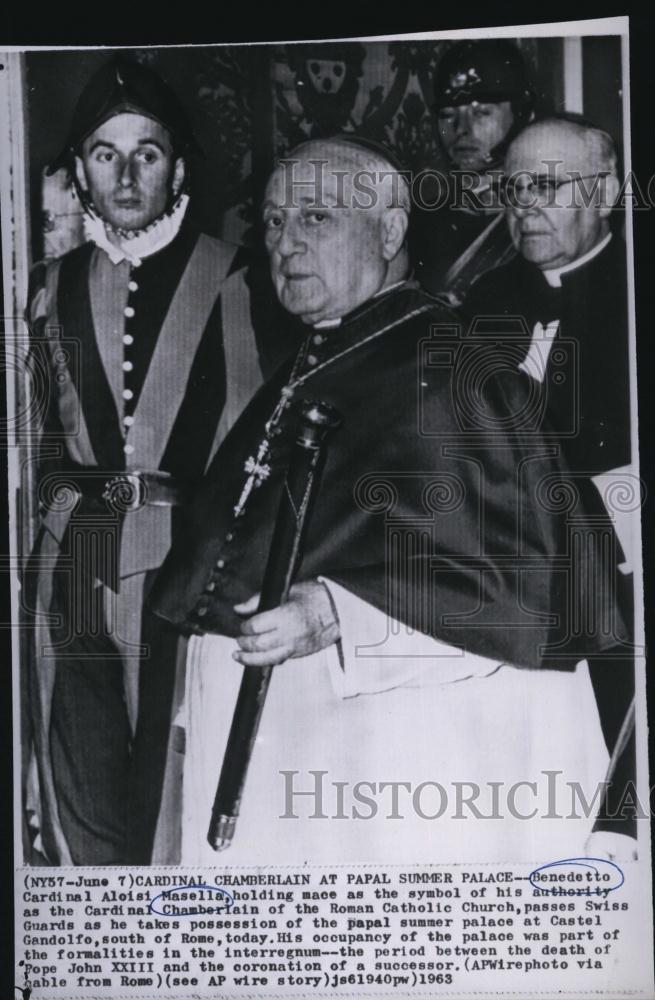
(143, 337)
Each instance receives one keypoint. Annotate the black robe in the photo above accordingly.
(431, 507)
(589, 388)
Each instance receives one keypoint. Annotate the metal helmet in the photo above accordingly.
(125, 85)
(487, 71)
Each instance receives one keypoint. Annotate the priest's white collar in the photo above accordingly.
(134, 247)
(554, 276)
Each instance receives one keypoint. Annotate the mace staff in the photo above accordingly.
(315, 422)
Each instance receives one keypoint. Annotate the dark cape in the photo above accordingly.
(433, 505)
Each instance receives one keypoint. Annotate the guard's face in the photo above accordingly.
(549, 222)
(128, 167)
(470, 132)
(326, 253)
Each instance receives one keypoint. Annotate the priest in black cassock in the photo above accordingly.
(561, 309)
(426, 639)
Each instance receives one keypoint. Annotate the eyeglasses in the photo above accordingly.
(527, 190)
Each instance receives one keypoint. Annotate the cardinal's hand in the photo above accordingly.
(305, 624)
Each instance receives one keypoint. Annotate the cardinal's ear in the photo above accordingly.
(394, 230)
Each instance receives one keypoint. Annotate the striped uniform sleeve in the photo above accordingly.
(47, 427)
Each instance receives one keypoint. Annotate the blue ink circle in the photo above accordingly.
(579, 863)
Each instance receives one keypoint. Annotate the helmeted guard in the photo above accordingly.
(144, 340)
(482, 99)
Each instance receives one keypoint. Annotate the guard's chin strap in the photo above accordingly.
(134, 245)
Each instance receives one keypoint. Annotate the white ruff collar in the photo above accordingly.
(144, 242)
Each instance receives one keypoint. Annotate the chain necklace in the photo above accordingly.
(256, 466)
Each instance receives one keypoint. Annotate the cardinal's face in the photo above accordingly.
(325, 247)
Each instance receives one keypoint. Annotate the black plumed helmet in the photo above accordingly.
(487, 71)
(125, 85)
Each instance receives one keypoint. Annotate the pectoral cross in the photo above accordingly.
(258, 471)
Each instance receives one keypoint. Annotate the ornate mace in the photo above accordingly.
(317, 419)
